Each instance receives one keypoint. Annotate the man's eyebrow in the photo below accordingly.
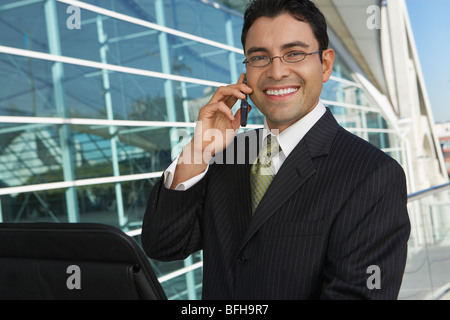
(295, 44)
(283, 47)
(256, 49)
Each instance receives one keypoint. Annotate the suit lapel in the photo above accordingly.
(294, 172)
(297, 169)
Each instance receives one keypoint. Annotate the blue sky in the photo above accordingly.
(431, 27)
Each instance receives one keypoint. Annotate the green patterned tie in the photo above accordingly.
(262, 171)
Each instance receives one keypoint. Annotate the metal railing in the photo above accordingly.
(427, 272)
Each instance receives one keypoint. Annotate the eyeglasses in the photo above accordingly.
(290, 57)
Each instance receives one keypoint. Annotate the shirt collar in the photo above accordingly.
(291, 136)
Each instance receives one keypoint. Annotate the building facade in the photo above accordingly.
(96, 96)
(443, 132)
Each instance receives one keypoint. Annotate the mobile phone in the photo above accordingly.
(244, 108)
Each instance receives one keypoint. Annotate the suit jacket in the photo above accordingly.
(332, 225)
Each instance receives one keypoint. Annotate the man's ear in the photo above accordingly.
(327, 63)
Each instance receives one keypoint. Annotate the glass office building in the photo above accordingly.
(96, 95)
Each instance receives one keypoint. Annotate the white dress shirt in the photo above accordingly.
(287, 139)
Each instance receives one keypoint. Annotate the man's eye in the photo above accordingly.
(258, 58)
(294, 54)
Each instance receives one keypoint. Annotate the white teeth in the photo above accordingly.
(281, 91)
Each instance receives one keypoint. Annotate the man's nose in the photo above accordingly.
(278, 69)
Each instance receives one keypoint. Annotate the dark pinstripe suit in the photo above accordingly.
(336, 207)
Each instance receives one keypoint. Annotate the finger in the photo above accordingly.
(227, 111)
(236, 124)
(236, 91)
(241, 78)
(211, 110)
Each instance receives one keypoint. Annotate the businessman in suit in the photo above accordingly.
(332, 222)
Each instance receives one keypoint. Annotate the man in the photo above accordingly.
(333, 222)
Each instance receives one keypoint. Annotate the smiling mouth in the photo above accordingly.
(281, 92)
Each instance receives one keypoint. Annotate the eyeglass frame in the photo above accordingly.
(247, 61)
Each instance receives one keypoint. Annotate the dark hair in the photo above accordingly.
(302, 10)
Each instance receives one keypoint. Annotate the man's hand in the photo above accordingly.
(215, 130)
